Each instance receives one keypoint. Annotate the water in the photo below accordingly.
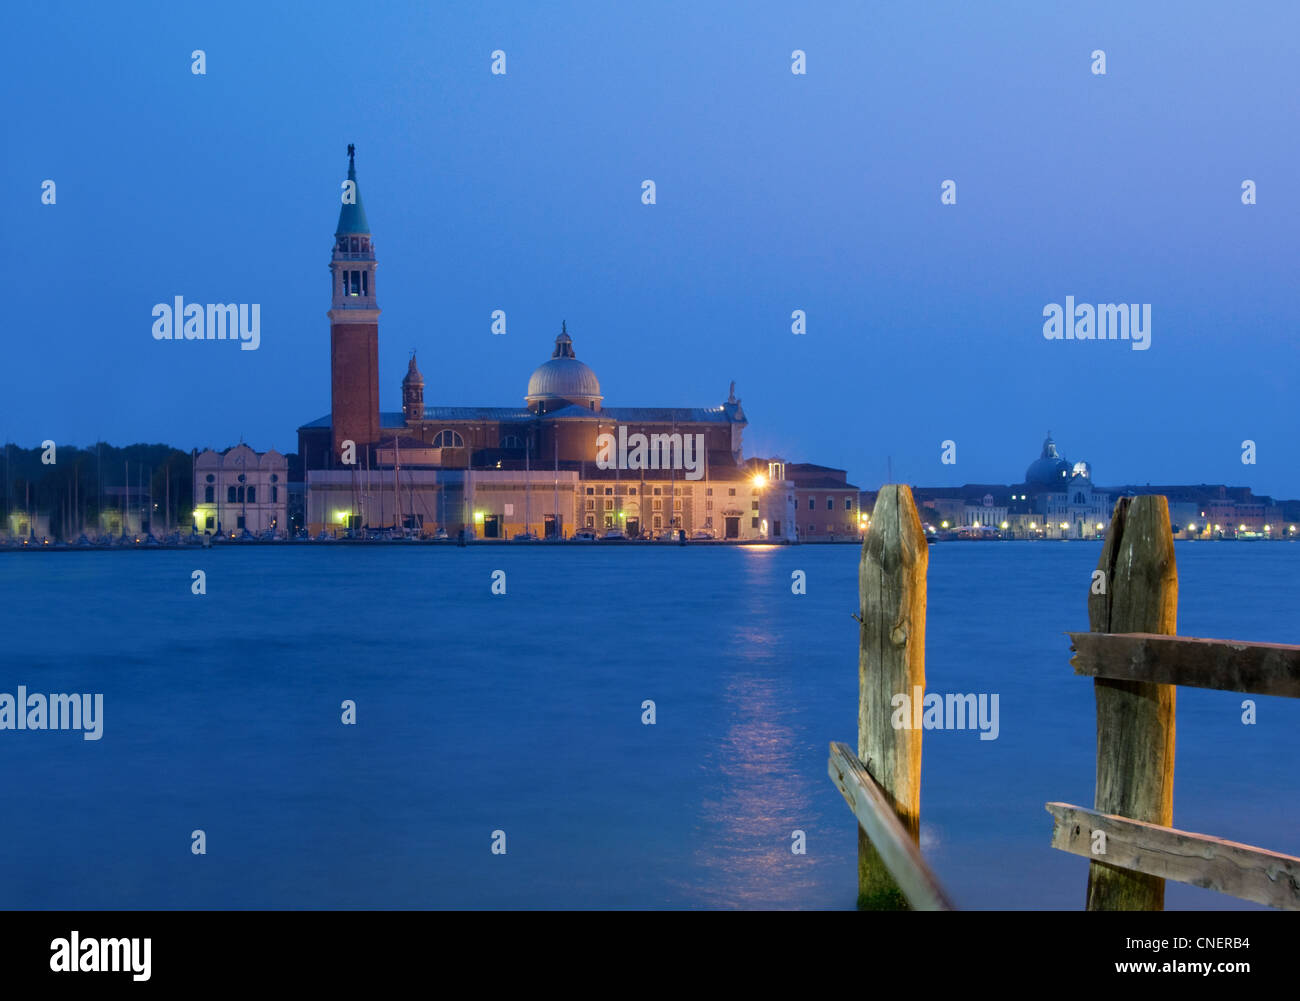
(522, 713)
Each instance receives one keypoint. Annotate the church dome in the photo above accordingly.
(1049, 470)
(563, 380)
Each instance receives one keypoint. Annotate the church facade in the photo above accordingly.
(560, 463)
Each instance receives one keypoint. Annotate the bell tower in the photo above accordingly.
(354, 324)
(413, 393)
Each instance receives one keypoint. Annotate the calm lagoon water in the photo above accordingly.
(523, 713)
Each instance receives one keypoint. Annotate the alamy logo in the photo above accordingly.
(1103, 322)
(102, 955)
(53, 712)
(656, 451)
(954, 711)
(218, 321)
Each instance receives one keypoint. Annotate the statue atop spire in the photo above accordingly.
(352, 214)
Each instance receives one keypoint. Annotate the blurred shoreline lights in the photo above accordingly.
(1103, 322)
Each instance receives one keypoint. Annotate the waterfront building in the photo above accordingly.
(1064, 495)
(561, 462)
(240, 490)
(826, 505)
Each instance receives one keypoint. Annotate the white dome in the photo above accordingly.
(563, 377)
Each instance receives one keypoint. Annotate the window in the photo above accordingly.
(275, 478)
(753, 523)
(708, 491)
(677, 491)
(658, 491)
(708, 505)
(677, 505)
(511, 441)
(631, 491)
(209, 521)
(211, 479)
(848, 503)
(239, 522)
(609, 521)
(275, 494)
(591, 521)
(812, 529)
(591, 503)
(811, 503)
(659, 521)
(753, 505)
(609, 503)
(830, 503)
(590, 491)
(252, 495)
(609, 491)
(731, 491)
(230, 495)
(207, 495)
(448, 439)
(658, 505)
(356, 244)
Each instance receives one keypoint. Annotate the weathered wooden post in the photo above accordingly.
(1137, 593)
(891, 661)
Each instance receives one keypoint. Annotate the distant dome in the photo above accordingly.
(1049, 469)
(563, 380)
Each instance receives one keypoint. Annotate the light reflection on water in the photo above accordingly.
(757, 796)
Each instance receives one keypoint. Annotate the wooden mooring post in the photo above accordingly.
(1134, 591)
(882, 784)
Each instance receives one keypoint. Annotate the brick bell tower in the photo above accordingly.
(354, 325)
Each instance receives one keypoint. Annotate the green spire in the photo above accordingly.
(352, 218)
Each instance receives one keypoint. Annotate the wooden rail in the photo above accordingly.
(1229, 665)
(1165, 852)
(894, 844)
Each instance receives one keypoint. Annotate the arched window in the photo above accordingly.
(448, 439)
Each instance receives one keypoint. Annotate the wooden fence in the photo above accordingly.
(1135, 660)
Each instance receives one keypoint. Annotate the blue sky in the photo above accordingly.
(775, 192)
